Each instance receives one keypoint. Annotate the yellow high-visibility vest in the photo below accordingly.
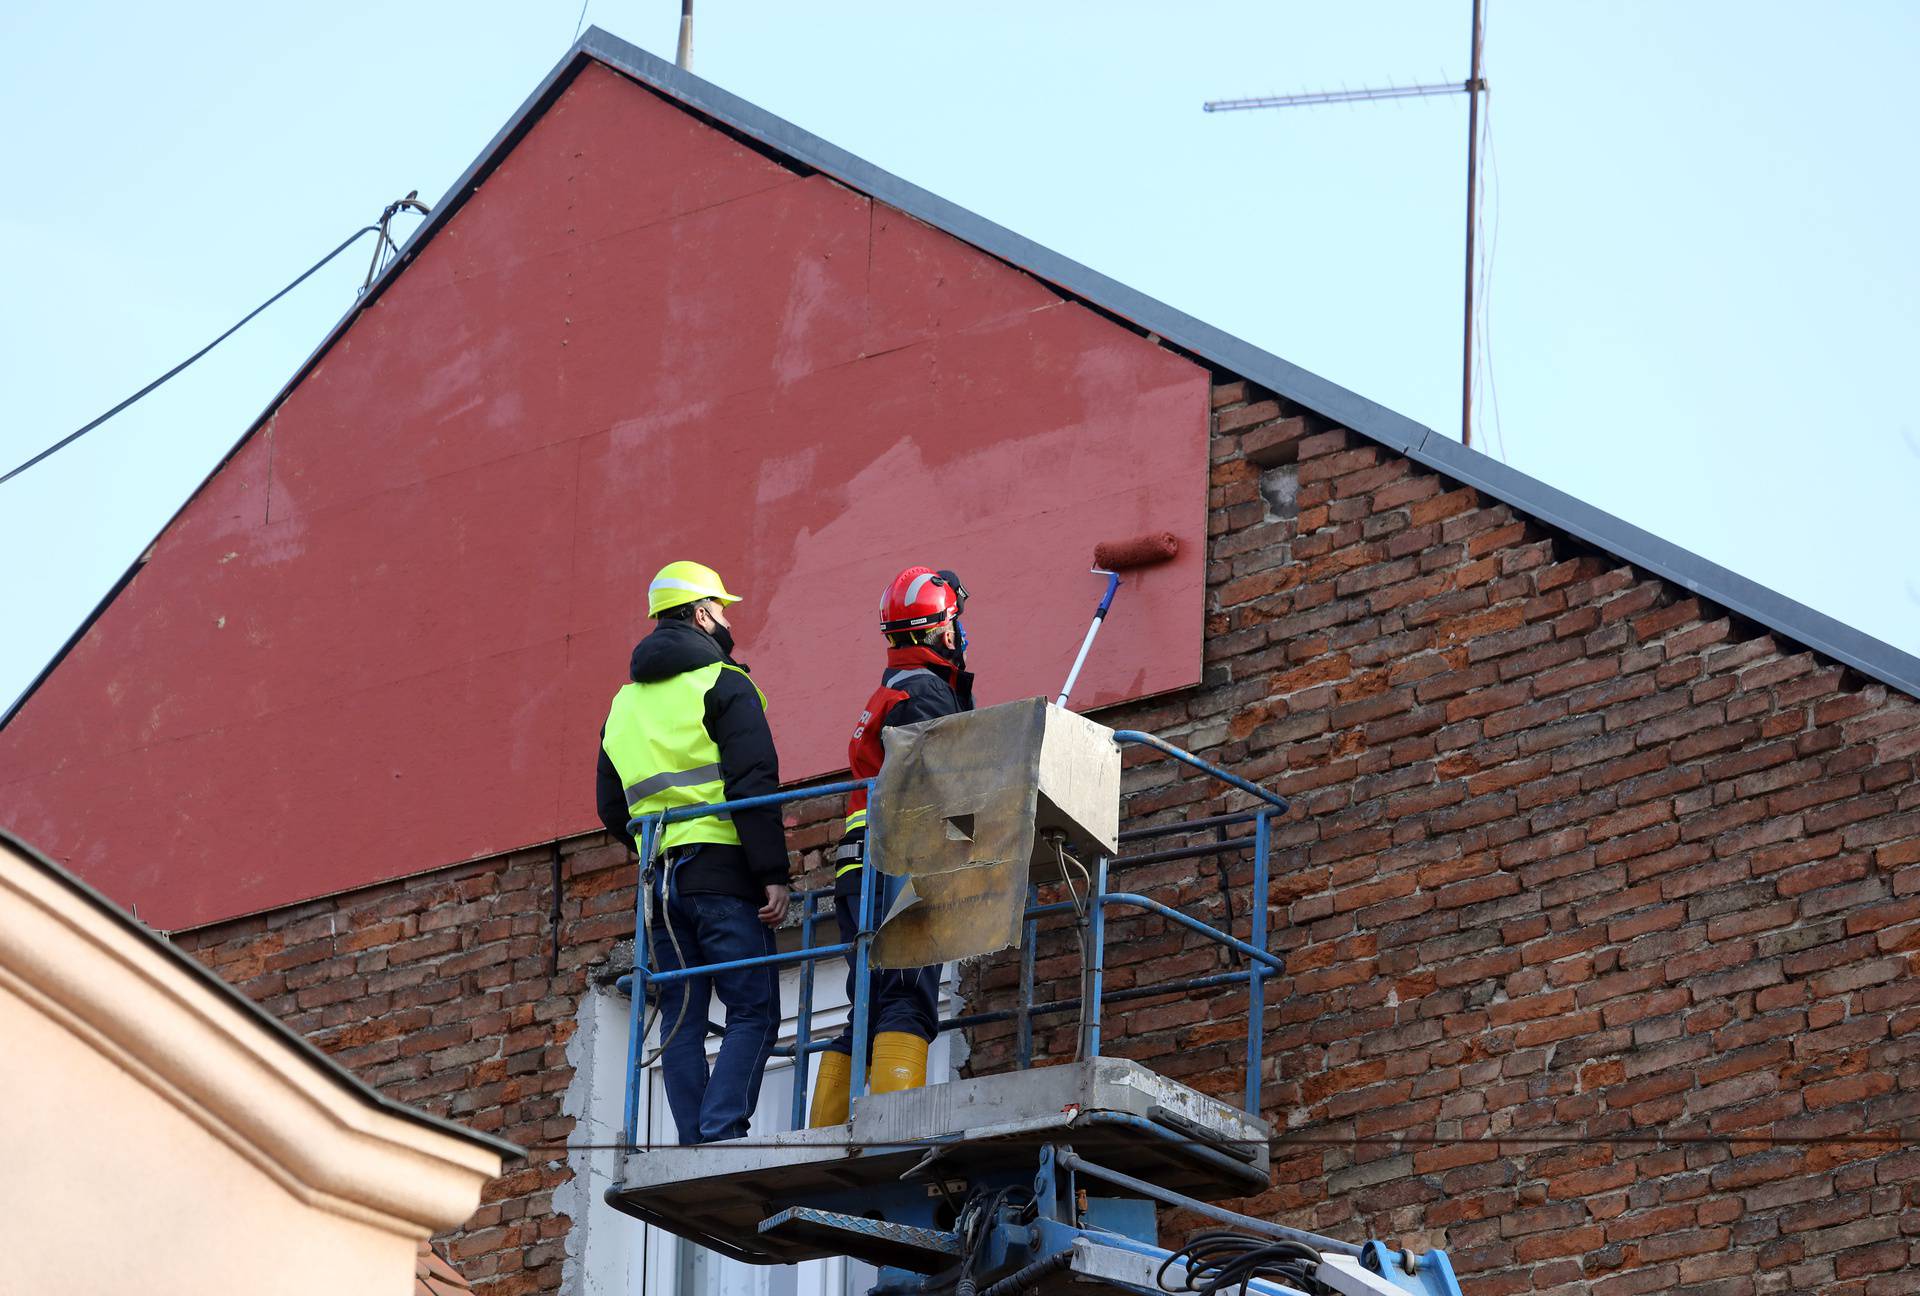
(656, 737)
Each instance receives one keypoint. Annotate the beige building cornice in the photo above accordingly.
(272, 1098)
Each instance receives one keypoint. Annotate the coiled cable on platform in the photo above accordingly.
(1218, 1262)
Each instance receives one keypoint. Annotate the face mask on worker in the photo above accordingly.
(720, 634)
(956, 652)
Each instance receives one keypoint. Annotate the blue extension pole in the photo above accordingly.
(1099, 615)
(1097, 937)
(862, 947)
(1256, 995)
(803, 1026)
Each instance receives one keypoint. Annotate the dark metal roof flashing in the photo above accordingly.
(1223, 351)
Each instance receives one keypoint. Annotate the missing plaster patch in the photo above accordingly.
(1280, 488)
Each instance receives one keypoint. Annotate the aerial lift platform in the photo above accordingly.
(1039, 1179)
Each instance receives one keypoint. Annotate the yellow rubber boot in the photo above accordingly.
(830, 1090)
(899, 1062)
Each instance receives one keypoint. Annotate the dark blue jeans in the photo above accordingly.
(713, 929)
(898, 999)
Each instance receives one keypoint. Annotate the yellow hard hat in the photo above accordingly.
(681, 583)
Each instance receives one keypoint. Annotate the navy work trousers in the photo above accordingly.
(898, 999)
(690, 931)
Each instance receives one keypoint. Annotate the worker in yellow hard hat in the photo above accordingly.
(689, 730)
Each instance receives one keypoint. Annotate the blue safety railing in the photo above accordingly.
(876, 889)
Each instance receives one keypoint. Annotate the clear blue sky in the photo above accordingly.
(1704, 283)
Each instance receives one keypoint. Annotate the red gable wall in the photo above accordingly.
(384, 636)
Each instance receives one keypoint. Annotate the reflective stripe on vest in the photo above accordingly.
(657, 739)
(848, 856)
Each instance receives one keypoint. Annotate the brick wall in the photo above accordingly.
(458, 991)
(443, 991)
(1570, 849)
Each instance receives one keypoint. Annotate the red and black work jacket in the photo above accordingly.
(918, 684)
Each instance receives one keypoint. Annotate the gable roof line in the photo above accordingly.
(1376, 422)
(1557, 509)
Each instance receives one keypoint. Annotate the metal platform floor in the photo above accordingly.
(940, 1138)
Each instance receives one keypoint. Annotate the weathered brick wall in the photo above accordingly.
(458, 991)
(443, 991)
(1570, 850)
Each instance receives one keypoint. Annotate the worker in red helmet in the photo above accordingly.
(925, 678)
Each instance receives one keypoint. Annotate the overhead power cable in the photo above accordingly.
(380, 228)
(1886, 1142)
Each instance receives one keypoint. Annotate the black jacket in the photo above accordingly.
(918, 684)
(934, 690)
(749, 766)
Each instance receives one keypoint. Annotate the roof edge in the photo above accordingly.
(1748, 598)
(1794, 620)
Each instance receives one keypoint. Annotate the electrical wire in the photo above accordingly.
(974, 1225)
(1073, 893)
(385, 250)
(305, 275)
(680, 956)
(1082, 1038)
(410, 202)
(1888, 1144)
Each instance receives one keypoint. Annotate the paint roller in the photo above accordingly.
(1110, 558)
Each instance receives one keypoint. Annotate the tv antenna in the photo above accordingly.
(1473, 87)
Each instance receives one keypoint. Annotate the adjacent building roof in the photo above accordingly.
(1555, 508)
(76, 898)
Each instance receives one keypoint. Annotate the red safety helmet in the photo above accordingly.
(921, 598)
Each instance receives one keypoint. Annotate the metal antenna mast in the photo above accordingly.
(1472, 87)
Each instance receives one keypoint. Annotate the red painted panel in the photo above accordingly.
(232, 503)
(758, 291)
(306, 609)
(608, 158)
(334, 794)
(384, 637)
(924, 283)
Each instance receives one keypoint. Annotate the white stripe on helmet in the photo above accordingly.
(920, 583)
(674, 582)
